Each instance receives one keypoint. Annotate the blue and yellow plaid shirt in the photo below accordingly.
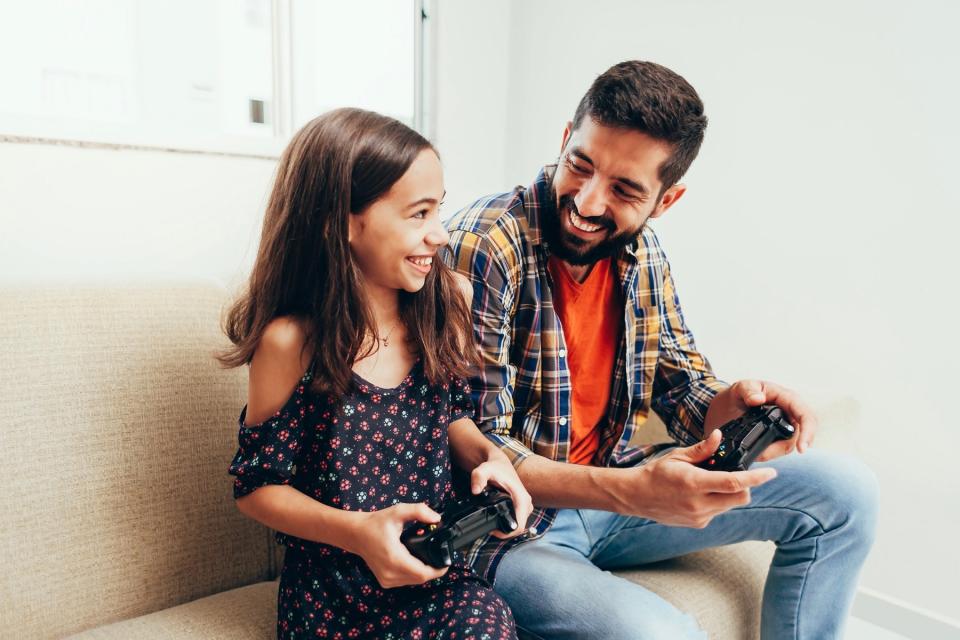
(522, 389)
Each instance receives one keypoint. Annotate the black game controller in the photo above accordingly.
(462, 523)
(746, 437)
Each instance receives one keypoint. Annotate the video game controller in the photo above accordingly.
(463, 522)
(746, 437)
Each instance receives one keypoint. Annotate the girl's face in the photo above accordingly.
(395, 240)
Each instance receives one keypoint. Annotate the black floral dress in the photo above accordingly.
(369, 450)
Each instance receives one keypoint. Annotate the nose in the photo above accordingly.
(591, 201)
(437, 234)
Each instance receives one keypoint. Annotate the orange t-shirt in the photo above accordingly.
(591, 314)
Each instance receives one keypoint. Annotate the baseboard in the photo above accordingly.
(901, 617)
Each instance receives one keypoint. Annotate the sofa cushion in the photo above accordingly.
(118, 427)
(722, 587)
(247, 613)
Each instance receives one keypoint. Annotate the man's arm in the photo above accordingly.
(494, 294)
(669, 490)
(684, 384)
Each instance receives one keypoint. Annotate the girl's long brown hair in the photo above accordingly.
(337, 165)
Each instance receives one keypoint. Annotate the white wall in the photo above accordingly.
(815, 246)
(101, 215)
(472, 84)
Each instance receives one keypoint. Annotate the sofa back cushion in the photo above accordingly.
(117, 430)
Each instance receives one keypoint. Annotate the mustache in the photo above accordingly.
(566, 202)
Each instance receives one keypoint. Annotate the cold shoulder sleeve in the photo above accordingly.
(461, 404)
(268, 452)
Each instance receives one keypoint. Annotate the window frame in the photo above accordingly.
(60, 130)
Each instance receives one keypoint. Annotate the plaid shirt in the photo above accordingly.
(522, 390)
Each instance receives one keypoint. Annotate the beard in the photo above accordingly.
(577, 251)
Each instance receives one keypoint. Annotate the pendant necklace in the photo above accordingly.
(385, 340)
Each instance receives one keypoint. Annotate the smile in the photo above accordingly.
(423, 264)
(581, 223)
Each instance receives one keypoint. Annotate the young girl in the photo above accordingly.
(358, 340)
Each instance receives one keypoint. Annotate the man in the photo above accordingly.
(582, 337)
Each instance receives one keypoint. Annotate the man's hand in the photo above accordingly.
(499, 472)
(744, 394)
(672, 491)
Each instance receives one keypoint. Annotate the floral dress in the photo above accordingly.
(369, 450)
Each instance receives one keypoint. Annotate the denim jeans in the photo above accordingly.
(820, 511)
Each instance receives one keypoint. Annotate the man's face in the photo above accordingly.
(605, 189)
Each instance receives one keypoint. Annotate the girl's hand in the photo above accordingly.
(377, 536)
(498, 471)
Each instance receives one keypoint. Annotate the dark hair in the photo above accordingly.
(652, 99)
(336, 166)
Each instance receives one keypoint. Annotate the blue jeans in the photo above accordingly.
(820, 511)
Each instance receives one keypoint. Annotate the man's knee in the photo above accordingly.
(861, 499)
(847, 494)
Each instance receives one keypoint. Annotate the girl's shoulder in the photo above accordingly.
(279, 362)
(286, 334)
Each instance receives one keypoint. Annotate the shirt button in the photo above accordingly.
(532, 531)
(563, 353)
(562, 421)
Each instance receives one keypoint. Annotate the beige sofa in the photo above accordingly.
(116, 515)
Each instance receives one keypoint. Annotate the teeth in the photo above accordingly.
(422, 262)
(581, 223)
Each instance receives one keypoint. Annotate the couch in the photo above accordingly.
(117, 514)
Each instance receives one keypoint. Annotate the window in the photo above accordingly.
(371, 66)
(234, 76)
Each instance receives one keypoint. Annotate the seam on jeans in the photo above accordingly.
(605, 541)
(530, 634)
(803, 585)
(823, 529)
(586, 531)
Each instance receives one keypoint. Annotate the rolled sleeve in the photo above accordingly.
(497, 430)
(685, 384)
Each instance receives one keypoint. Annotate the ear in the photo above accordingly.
(670, 196)
(567, 132)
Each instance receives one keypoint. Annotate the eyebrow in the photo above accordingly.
(636, 186)
(426, 201)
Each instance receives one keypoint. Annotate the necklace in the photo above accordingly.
(369, 367)
(386, 339)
